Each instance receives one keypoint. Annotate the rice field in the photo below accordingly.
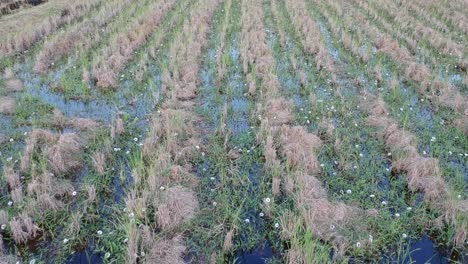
(233, 131)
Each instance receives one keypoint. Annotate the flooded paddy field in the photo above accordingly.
(233, 131)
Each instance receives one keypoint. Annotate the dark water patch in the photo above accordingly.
(260, 254)
(424, 250)
(86, 256)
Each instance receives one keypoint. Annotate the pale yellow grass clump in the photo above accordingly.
(227, 244)
(7, 105)
(279, 111)
(14, 85)
(59, 120)
(178, 205)
(48, 190)
(62, 151)
(297, 145)
(167, 251)
(64, 155)
(173, 127)
(99, 162)
(83, 124)
(23, 229)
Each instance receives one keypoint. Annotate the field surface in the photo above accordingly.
(233, 131)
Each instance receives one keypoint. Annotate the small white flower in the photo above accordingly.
(332, 227)
(262, 214)
(409, 208)
(358, 244)
(361, 155)
(3, 227)
(389, 154)
(162, 188)
(349, 191)
(9, 159)
(127, 152)
(116, 149)
(142, 253)
(357, 146)
(459, 196)
(247, 220)
(135, 139)
(321, 165)
(125, 240)
(355, 166)
(215, 203)
(131, 215)
(276, 225)
(65, 241)
(384, 202)
(433, 139)
(404, 235)
(25, 133)
(267, 200)
(212, 178)
(197, 147)
(107, 255)
(11, 140)
(10, 203)
(74, 193)
(99, 232)
(397, 215)
(424, 152)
